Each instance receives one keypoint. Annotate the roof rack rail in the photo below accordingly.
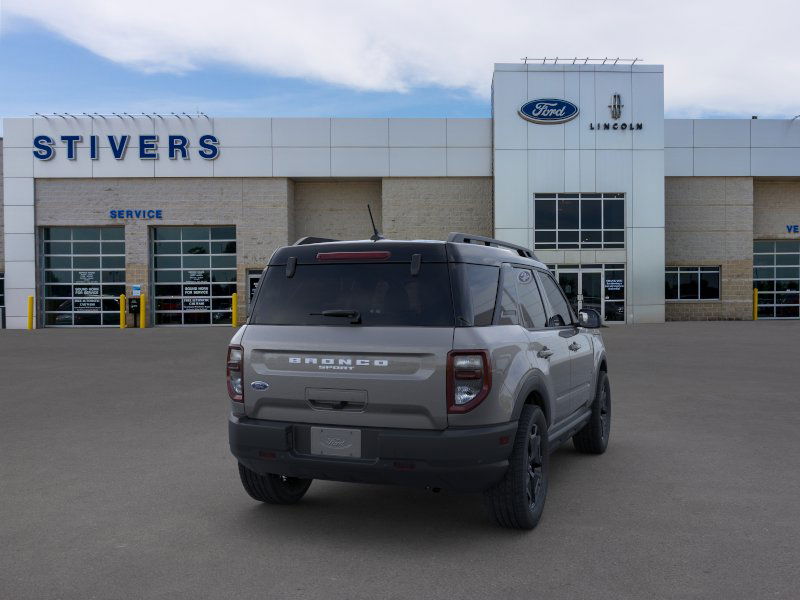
(310, 239)
(466, 238)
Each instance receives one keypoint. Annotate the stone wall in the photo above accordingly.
(709, 222)
(430, 208)
(776, 204)
(336, 209)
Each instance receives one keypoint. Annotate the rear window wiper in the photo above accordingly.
(353, 315)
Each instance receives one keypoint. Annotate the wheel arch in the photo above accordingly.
(602, 367)
(534, 391)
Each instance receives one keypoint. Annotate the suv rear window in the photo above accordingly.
(384, 294)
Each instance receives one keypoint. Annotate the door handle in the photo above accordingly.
(574, 346)
(545, 352)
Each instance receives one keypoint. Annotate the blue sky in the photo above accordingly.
(362, 58)
(48, 74)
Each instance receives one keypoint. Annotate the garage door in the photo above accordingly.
(82, 275)
(194, 275)
(776, 274)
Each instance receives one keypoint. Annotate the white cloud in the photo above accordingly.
(720, 56)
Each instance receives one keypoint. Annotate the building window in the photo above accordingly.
(194, 275)
(776, 274)
(83, 275)
(692, 283)
(578, 221)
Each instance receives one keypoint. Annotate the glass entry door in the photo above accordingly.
(592, 291)
(599, 286)
(568, 280)
(583, 288)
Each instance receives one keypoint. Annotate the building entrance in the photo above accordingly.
(597, 286)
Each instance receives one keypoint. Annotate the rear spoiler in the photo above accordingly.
(467, 238)
(310, 239)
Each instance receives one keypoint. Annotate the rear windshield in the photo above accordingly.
(385, 294)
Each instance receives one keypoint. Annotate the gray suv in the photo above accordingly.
(454, 365)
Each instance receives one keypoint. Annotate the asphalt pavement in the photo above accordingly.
(116, 482)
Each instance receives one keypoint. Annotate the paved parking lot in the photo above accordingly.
(116, 482)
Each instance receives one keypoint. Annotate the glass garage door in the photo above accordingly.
(194, 275)
(776, 274)
(83, 275)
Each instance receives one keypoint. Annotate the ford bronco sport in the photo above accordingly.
(453, 365)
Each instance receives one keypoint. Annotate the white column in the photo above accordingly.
(19, 227)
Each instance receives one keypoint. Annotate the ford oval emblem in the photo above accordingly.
(259, 385)
(337, 442)
(548, 111)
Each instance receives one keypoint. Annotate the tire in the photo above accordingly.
(593, 438)
(273, 489)
(518, 500)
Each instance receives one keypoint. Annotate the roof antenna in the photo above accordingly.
(377, 235)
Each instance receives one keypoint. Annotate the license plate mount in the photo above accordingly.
(335, 441)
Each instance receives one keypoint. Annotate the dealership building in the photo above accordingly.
(645, 218)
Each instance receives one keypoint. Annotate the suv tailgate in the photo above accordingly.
(349, 376)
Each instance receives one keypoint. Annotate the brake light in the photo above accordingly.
(234, 373)
(469, 379)
(368, 255)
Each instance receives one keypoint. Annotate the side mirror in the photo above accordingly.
(589, 318)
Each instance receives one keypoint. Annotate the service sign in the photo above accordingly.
(87, 290)
(87, 277)
(86, 304)
(548, 111)
(196, 290)
(198, 275)
(191, 304)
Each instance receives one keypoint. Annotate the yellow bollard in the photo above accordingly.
(234, 309)
(142, 311)
(122, 323)
(755, 304)
(30, 312)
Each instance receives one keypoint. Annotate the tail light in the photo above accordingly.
(234, 373)
(469, 379)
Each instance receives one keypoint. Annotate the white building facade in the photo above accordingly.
(644, 218)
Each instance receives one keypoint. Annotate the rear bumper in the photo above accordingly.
(459, 459)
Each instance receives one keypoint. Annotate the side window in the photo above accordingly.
(482, 285)
(530, 300)
(508, 299)
(561, 312)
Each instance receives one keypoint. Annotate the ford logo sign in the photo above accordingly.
(547, 111)
(259, 385)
